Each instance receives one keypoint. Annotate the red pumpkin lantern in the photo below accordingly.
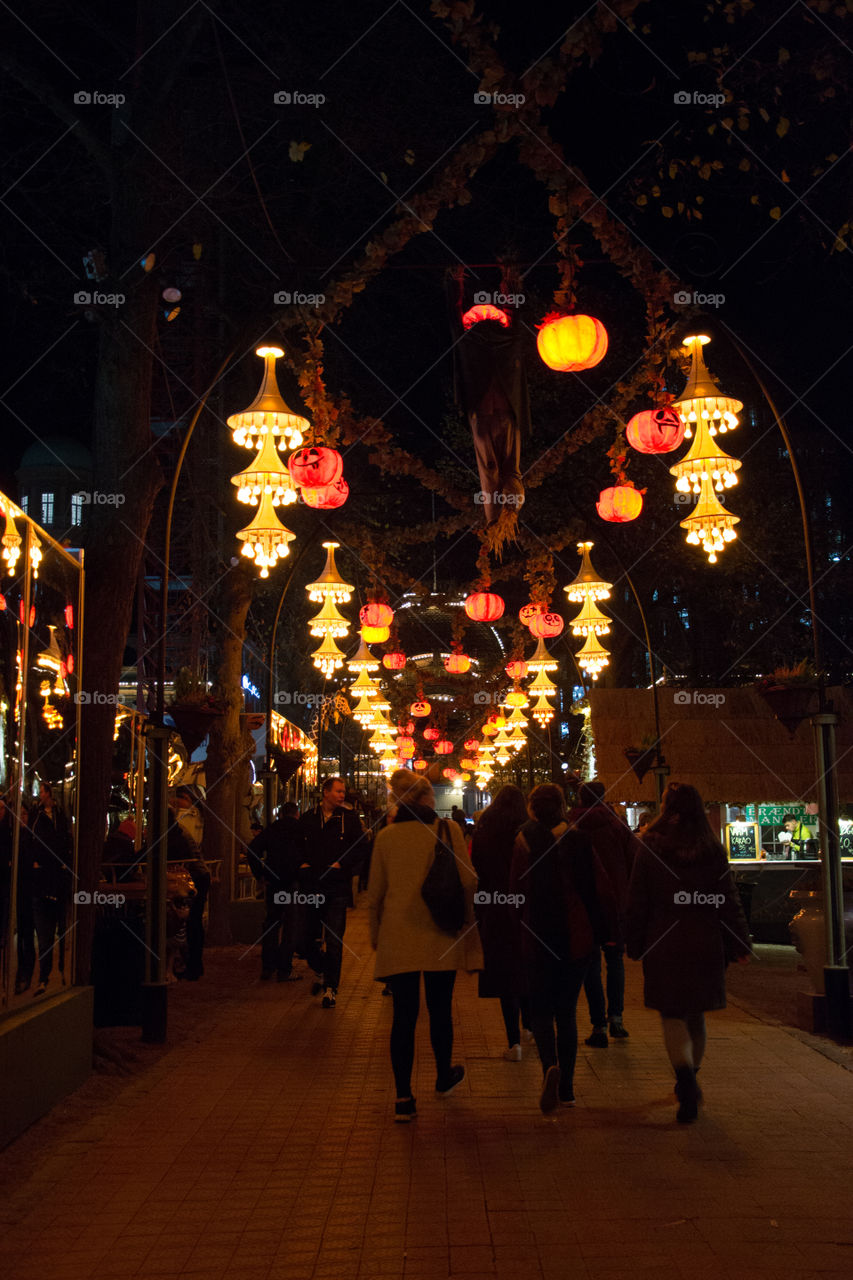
(443, 747)
(419, 764)
(472, 744)
(71, 662)
(484, 311)
(376, 614)
(484, 606)
(420, 709)
(450, 773)
(619, 504)
(570, 343)
(431, 733)
(517, 669)
(328, 497)
(394, 661)
(406, 729)
(405, 747)
(69, 615)
(375, 635)
(457, 663)
(315, 468)
(655, 431)
(546, 625)
(32, 612)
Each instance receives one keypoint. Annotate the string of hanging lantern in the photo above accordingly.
(706, 469)
(587, 589)
(330, 590)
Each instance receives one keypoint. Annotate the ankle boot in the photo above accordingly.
(687, 1094)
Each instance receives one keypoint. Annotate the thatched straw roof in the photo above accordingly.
(725, 742)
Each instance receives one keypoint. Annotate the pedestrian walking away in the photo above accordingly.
(275, 856)
(616, 847)
(566, 911)
(333, 846)
(497, 915)
(407, 940)
(685, 922)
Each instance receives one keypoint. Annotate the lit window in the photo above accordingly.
(76, 508)
(25, 502)
(47, 508)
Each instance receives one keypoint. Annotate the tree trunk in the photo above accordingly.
(226, 749)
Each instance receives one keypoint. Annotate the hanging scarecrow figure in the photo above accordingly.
(491, 388)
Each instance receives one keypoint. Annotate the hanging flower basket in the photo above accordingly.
(194, 722)
(791, 704)
(640, 761)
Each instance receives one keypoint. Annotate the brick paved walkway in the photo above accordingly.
(266, 1151)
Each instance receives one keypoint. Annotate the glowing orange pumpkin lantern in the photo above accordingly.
(517, 669)
(394, 661)
(484, 606)
(570, 343)
(419, 764)
(655, 431)
(484, 311)
(450, 773)
(405, 747)
(420, 709)
(431, 733)
(457, 663)
(528, 611)
(327, 497)
(315, 468)
(472, 744)
(375, 635)
(376, 614)
(619, 504)
(444, 748)
(545, 625)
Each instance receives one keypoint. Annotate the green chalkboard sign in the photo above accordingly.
(846, 832)
(743, 840)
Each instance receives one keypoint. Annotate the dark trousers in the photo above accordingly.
(49, 916)
(615, 963)
(279, 933)
(406, 992)
(331, 916)
(553, 1000)
(515, 1012)
(195, 921)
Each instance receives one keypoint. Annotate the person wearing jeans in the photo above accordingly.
(407, 940)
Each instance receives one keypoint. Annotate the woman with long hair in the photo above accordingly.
(684, 921)
(567, 912)
(491, 856)
(407, 940)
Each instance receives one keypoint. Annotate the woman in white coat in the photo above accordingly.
(407, 940)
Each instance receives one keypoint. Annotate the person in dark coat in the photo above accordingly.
(566, 912)
(334, 845)
(51, 881)
(24, 918)
(616, 848)
(684, 921)
(275, 856)
(491, 856)
(181, 847)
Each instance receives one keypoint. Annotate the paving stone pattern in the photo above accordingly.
(264, 1149)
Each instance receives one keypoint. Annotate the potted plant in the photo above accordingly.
(791, 693)
(193, 709)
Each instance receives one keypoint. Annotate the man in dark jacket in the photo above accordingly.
(51, 881)
(616, 846)
(275, 856)
(334, 846)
